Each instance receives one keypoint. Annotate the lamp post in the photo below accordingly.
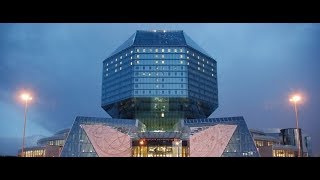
(26, 98)
(295, 99)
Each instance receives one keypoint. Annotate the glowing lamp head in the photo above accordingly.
(295, 98)
(26, 97)
(141, 142)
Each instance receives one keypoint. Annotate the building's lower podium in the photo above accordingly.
(108, 137)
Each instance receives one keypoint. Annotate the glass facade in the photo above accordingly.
(241, 143)
(78, 143)
(159, 78)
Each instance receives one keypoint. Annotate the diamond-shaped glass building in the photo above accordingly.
(159, 87)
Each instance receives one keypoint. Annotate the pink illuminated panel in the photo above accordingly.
(108, 142)
(212, 141)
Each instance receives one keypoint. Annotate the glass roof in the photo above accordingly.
(159, 38)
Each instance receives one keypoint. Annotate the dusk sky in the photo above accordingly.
(259, 67)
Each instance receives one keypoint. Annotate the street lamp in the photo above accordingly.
(26, 97)
(295, 99)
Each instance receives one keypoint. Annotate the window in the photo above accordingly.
(199, 68)
(162, 62)
(192, 54)
(156, 50)
(162, 79)
(131, 57)
(107, 69)
(187, 52)
(188, 63)
(137, 62)
(138, 56)
(181, 56)
(137, 50)
(107, 64)
(120, 68)
(162, 50)
(162, 56)
(202, 65)
(198, 63)
(187, 57)
(136, 92)
(130, 63)
(116, 65)
(175, 50)
(120, 57)
(169, 50)
(144, 50)
(136, 85)
(120, 62)
(181, 50)
(126, 54)
(181, 62)
(198, 57)
(115, 70)
(116, 59)
(156, 62)
(131, 52)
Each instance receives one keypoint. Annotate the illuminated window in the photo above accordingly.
(162, 62)
(187, 57)
(107, 74)
(156, 62)
(111, 62)
(126, 54)
(202, 65)
(202, 70)
(137, 50)
(156, 50)
(120, 62)
(107, 64)
(199, 68)
(120, 57)
(162, 50)
(181, 50)
(169, 50)
(181, 62)
(107, 69)
(156, 56)
(162, 114)
(137, 62)
(138, 56)
(192, 54)
(144, 50)
(198, 57)
(162, 56)
(187, 52)
(115, 70)
(116, 65)
(175, 50)
(116, 59)
(207, 62)
(181, 56)
(188, 63)
(120, 68)
(130, 63)
(131, 52)
(198, 63)
(212, 74)
(131, 57)
(211, 69)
